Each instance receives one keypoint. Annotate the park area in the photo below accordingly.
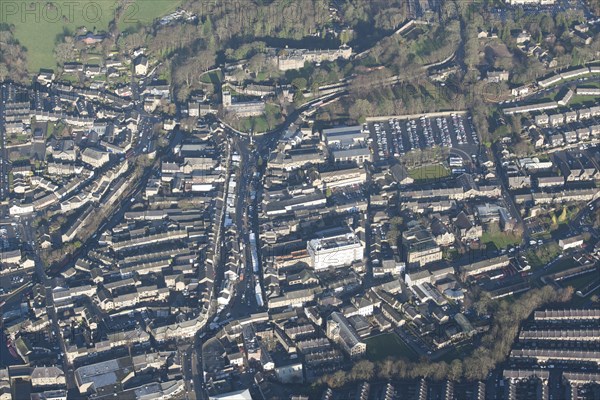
(429, 172)
(39, 25)
(387, 345)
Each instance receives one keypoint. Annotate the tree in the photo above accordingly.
(361, 109)
(567, 294)
(483, 303)
(472, 48)
(363, 370)
(563, 215)
(346, 36)
(299, 83)
(387, 369)
(3, 71)
(338, 379)
(455, 370)
(257, 63)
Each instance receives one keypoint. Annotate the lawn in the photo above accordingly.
(560, 265)
(540, 256)
(579, 282)
(387, 345)
(214, 77)
(501, 240)
(426, 172)
(579, 302)
(589, 84)
(144, 11)
(255, 124)
(461, 350)
(578, 100)
(43, 23)
(261, 123)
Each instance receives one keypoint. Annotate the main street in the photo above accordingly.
(244, 302)
(4, 165)
(189, 368)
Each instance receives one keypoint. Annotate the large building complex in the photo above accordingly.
(335, 251)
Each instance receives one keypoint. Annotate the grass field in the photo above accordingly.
(579, 302)
(558, 266)
(501, 240)
(426, 172)
(214, 77)
(261, 123)
(542, 255)
(387, 345)
(254, 124)
(579, 282)
(461, 350)
(40, 24)
(579, 100)
(144, 11)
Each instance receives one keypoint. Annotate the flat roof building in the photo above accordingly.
(335, 251)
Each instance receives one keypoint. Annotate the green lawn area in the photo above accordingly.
(461, 350)
(387, 345)
(579, 302)
(501, 240)
(562, 265)
(50, 130)
(434, 171)
(255, 124)
(39, 29)
(579, 282)
(261, 123)
(541, 255)
(578, 100)
(214, 77)
(589, 84)
(68, 77)
(144, 11)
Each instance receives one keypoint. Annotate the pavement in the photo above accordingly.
(189, 368)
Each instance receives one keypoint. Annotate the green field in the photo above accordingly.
(579, 100)
(561, 265)
(387, 345)
(254, 124)
(214, 77)
(434, 171)
(261, 123)
(144, 11)
(501, 240)
(579, 282)
(39, 25)
(579, 302)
